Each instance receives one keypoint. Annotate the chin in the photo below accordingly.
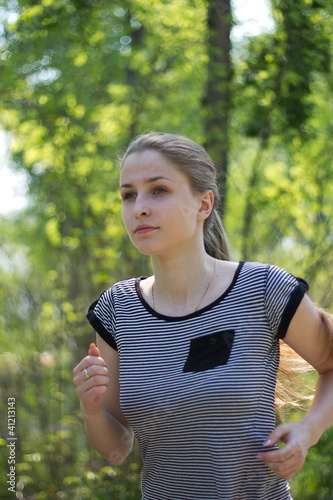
(146, 250)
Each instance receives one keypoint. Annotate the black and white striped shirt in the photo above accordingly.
(198, 390)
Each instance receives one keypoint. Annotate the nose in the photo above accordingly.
(140, 208)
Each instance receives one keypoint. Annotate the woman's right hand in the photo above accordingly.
(91, 381)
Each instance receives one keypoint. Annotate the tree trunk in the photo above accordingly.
(216, 102)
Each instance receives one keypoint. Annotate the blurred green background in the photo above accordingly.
(78, 80)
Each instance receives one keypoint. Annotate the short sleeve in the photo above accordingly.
(284, 293)
(101, 316)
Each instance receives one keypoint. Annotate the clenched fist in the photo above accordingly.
(91, 381)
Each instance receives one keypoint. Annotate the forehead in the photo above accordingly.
(147, 164)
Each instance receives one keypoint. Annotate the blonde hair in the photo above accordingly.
(197, 165)
(291, 390)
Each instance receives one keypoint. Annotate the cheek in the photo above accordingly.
(125, 215)
(187, 212)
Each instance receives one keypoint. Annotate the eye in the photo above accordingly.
(128, 196)
(160, 190)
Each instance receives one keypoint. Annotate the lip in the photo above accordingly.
(144, 228)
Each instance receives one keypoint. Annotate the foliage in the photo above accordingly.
(78, 80)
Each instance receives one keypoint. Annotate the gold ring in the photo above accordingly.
(85, 373)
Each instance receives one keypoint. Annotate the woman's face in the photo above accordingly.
(160, 211)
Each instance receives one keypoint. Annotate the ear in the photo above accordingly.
(207, 204)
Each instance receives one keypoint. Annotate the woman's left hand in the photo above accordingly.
(287, 461)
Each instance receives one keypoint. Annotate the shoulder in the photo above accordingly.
(281, 281)
(254, 267)
(125, 287)
(118, 292)
(275, 276)
(102, 313)
(253, 274)
(283, 294)
(120, 288)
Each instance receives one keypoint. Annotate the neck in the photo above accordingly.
(182, 281)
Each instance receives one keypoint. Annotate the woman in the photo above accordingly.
(186, 359)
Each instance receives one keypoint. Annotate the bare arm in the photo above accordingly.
(106, 427)
(306, 336)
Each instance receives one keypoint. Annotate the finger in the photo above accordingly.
(91, 372)
(92, 400)
(83, 385)
(93, 350)
(291, 473)
(271, 440)
(286, 473)
(97, 369)
(272, 461)
(293, 448)
(91, 396)
(280, 455)
(88, 361)
(279, 434)
(287, 470)
(96, 391)
(95, 381)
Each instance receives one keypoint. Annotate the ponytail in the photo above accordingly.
(215, 238)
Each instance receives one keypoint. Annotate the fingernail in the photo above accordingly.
(267, 442)
(92, 345)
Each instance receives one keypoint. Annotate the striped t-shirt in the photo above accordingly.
(198, 390)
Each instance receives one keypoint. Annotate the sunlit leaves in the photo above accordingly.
(52, 232)
(280, 67)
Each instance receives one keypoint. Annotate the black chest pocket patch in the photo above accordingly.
(209, 351)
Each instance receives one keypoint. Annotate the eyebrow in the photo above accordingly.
(149, 181)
